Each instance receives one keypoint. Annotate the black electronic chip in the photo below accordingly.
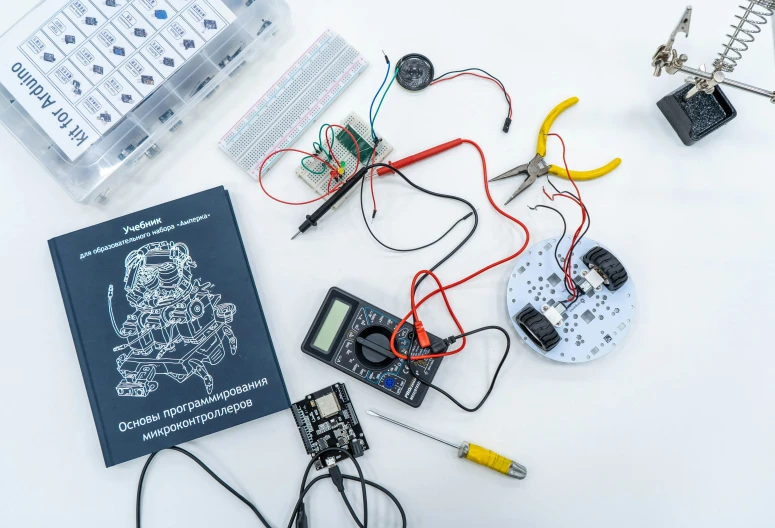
(364, 147)
(327, 419)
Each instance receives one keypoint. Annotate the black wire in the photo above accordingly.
(435, 267)
(302, 493)
(578, 241)
(431, 193)
(564, 229)
(305, 488)
(209, 472)
(494, 378)
(405, 250)
(368, 483)
(494, 78)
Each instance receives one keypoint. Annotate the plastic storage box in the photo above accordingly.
(95, 89)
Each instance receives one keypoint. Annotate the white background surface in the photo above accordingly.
(673, 429)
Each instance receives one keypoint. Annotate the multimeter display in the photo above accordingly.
(354, 336)
(331, 325)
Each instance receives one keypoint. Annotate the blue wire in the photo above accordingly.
(371, 108)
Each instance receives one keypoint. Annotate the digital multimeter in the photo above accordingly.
(354, 337)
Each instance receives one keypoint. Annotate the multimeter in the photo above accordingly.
(354, 336)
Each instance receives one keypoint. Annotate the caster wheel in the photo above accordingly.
(607, 265)
(538, 328)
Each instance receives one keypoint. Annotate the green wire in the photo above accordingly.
(380, 101)
(318, 147)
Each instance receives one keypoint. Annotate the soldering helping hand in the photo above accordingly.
(668, 58)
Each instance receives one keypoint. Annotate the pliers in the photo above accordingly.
(538, 166)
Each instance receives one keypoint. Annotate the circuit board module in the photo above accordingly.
(326, 419)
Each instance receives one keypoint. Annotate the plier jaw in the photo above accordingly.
(538, 167)
(532, 170)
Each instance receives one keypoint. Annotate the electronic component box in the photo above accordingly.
(92, 138)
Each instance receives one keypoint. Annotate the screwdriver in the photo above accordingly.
(312, 220)
(472, 452)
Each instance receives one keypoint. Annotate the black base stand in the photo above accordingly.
(694, 119)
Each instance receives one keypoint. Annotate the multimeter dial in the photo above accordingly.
(354, 336)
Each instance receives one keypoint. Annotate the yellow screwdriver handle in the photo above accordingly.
(491, 459)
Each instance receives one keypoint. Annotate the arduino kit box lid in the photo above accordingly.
(93, 88)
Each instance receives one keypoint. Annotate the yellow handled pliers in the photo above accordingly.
(538, 167)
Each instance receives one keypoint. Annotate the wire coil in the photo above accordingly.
(745, 30)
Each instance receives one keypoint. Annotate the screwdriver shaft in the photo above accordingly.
(450, 444)
(475, 453)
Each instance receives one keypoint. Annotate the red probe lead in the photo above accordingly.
(419, 156)
(441, 288)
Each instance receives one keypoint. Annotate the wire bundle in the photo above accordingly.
(566, 267)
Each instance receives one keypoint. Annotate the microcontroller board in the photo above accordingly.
(326, 419)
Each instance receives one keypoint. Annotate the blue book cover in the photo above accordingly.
(167, 325)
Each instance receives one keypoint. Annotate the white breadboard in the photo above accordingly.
(294, 102)
(314, 173)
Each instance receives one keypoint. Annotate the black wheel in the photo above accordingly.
(538, 328)
(608, 266)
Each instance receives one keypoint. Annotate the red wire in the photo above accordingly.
(481, 77)
(567, 264)
(334, 170)
(443, 289)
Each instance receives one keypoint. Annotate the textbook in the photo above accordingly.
(167, 325)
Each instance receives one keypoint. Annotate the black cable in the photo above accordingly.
(431, 193)
(564, 229)
(209, 472)
(450, 340)
(494, 78)
(303, 490)
(298, 509)
(389, 495)
(435, 267)
(583, 234)
(405, 250)
(336, 475)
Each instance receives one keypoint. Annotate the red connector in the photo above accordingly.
(422, 335)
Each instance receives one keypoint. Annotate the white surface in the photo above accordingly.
(673, 429)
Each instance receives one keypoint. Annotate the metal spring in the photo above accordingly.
(745, 31)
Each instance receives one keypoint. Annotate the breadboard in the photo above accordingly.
(294, 102)
(319, 182)
(595, 324)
